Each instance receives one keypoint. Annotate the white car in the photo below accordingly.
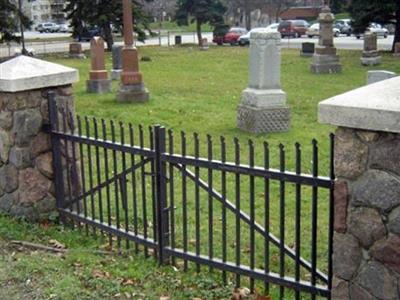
(245, 39)
(313, 30)
(376, 28)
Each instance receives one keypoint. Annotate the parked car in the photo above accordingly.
(245, 39)
(233, 35)
(376, 28)
(344, 25)
(65, 28)
(273, 27)
(313, 30)
(48, 27)
(88, 34)
(293, 28)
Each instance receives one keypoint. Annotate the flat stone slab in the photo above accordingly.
(24, 73)
(373, 107)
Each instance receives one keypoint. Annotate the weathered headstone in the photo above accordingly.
(75, 50)
(370, 55)
(204, 44)
(379, 75)
(117, 62)
(27, 179)
(396, 50)
(98, 77)
(132, 88)
(325, 59)
(307, 49)
(263, 107)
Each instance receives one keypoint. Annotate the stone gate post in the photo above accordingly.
(26, 172)
(366, 245)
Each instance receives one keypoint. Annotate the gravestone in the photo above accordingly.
(117, 62)
(204, 44)
(307, 49)
(325, 59)
(75, 50)
(263, 106)
(396, 50)
(132, 87)
(379, 75)
(370, 55)
(98, 77)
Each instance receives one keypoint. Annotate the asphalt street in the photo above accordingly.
(43, 47)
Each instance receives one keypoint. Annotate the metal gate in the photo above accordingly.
(268, 228)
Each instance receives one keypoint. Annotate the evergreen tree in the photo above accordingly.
(200, 12)
(9, 23)
(363, 12)
(103, 14)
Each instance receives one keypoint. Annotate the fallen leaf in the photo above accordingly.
(56, 244)
(126, 282)
(164, 298)
(100, 274)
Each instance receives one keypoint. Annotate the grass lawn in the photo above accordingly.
(194, 91)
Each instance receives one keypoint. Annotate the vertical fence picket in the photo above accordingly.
(123, 185)
(282, 212)
(252, 214)
(172, 193)
(90, 169)
(237, 211)
(197, 198)
(83, 176)
(143, 181)
(98, 170)
(314, 216)
(224, 224)
(106, 171)
(298, 219)
(331, 207)
(184, 201)
(134, 189)
(266, 216)
(210, 203)
(116, 183)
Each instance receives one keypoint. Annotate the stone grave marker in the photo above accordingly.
(263, 106)
(379, 75)
(98, 79)
(307, 49)
(204, 44)
(117, 62)
(325, 59)
(75, 50)
(396, 50)
(370, 55)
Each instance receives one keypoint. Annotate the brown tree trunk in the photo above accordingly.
(199, 34)
(108, 37)
(397, 30)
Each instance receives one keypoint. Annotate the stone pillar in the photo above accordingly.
(75, 50)
(117, 62)
(370, 55)
(263, 107)
(132, 88)
(325, 59)
(98, 77)
(26, 172)
(366, 244)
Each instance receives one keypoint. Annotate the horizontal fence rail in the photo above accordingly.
(200, 205)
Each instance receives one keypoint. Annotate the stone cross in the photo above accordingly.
(117, 62)
(370, 55)
(98, 77)
(263, 107)
(132, 88)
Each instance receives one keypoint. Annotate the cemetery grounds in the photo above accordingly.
(193, 91)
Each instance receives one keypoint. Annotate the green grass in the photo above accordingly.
(173, 26)
(197, 91)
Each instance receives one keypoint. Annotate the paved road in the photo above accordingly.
(350, 43)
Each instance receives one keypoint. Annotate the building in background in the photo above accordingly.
(40, 11)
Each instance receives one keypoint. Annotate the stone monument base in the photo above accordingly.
(306, 54)
(133, 93)
(263, 120)
(77, 55)
(263, 98)
(325, 64)
(98, 86)
(371, 61)
(116, 74)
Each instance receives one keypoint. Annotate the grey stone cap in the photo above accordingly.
(24, 73)
(265, 35)
(373, 107)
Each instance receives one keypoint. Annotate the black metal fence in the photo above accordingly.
(268, 228)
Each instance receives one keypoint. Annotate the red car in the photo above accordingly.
(233, 35)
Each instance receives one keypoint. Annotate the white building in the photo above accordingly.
(39, 11)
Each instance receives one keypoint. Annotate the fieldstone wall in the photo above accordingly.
(26, 171)
(366, 258)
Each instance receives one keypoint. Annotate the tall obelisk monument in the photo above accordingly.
(132, 88)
